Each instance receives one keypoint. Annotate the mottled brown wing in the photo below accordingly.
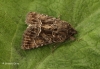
(28, 37)
(43, 30)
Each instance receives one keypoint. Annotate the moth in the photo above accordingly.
(43, 29)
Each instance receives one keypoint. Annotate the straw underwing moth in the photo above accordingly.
(43, 29)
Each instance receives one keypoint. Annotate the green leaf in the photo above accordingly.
(83, 53)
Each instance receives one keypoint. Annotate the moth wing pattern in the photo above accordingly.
(44, 29)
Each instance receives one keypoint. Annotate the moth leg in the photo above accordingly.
(59, 17)
(55, 46)
(72, 38)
